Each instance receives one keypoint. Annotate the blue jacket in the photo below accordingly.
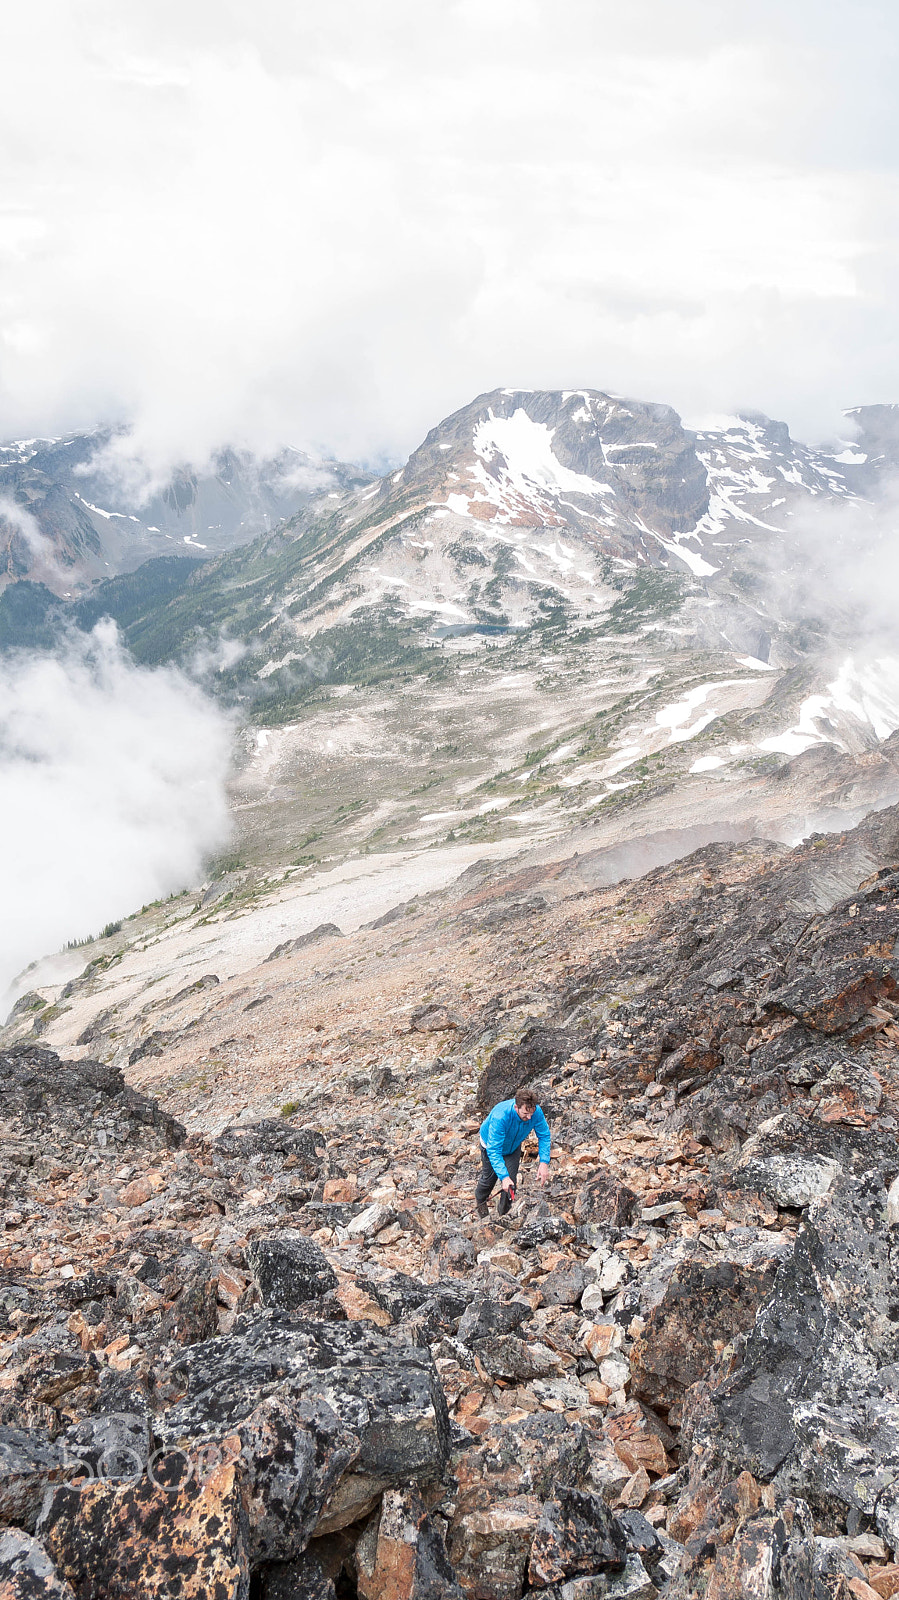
(503, 1130)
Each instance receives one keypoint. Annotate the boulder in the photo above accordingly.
(457, 1253)
(370, 1221)
(273, 1136)
(836, 995)
(293, 1454)
(770, 1557)
(405, 1557)
(29, 1461)
(167, 1536)
(517, 1061)
(192, 1286)
(303, 1579)
(111, 1444)
(632, 1583)
(605, 1201)
(489, 1547)
(289, 947)
(433, 1018)
(564, 1285)
(508, 1357)
(795, 1160)
(289, 1269)
(503, 1481)
(813, 1402)
(383, 1391)
(697, 1058)
(704, 1307)
(406, 1299)
(849, 1089)
(79, 1103)
(543, 1230)
(576, 1533)
(26, 1571)
(791, 1180)
(643, 1540)
(486, 1317)
(614, 1271)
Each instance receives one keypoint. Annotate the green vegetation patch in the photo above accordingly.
(651, 596)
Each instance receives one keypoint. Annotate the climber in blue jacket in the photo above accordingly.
(503, 1133)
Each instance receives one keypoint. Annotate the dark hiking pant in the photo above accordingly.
(488, 1178)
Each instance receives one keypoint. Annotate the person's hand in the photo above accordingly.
(543, 1173)
(507, 1185)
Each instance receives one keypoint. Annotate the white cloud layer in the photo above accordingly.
(14, 516)
(250, 223)
(112, 790)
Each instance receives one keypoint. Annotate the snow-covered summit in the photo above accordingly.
(626, 477)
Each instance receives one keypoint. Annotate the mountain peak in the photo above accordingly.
(531, 458)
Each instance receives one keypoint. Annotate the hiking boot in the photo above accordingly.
(483, 1210)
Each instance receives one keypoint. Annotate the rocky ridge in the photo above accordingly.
(279, 1355)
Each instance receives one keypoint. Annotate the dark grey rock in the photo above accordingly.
(606, 1202)
(29, 1461)
(273, 1136)
(294, 1452)
(289, 1269)
(380, 1079)
(78, 1103)
(564, 1285)
(382, 1390)
(631, 1583)
(402, 1297)
(506, 1356)
(814, 1402)
(458, 1253)
(325, 930)
(112, 1444)
(486, 1317)
(796, 1159)
(542, 1230)
(302, 1579)
(511, 1065)
(642, 1539)
(576, 1533)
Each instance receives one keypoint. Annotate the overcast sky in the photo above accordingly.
(270, 221)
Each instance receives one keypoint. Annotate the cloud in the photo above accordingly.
(330, 226)
(112, 790)
(211, 659)
(836, 571)
(15, 520)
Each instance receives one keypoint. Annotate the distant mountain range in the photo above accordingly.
(67, 520)
(566, 608)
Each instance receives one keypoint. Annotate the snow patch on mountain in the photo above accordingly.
(675, 716)
(516, 469)
(696, 563)
(123, 516)
(866, 694)
(748, 459)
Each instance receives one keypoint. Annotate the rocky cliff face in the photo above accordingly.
(511, 456)
(280, 1355)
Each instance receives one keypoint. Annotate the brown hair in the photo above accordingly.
(525, 1097)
